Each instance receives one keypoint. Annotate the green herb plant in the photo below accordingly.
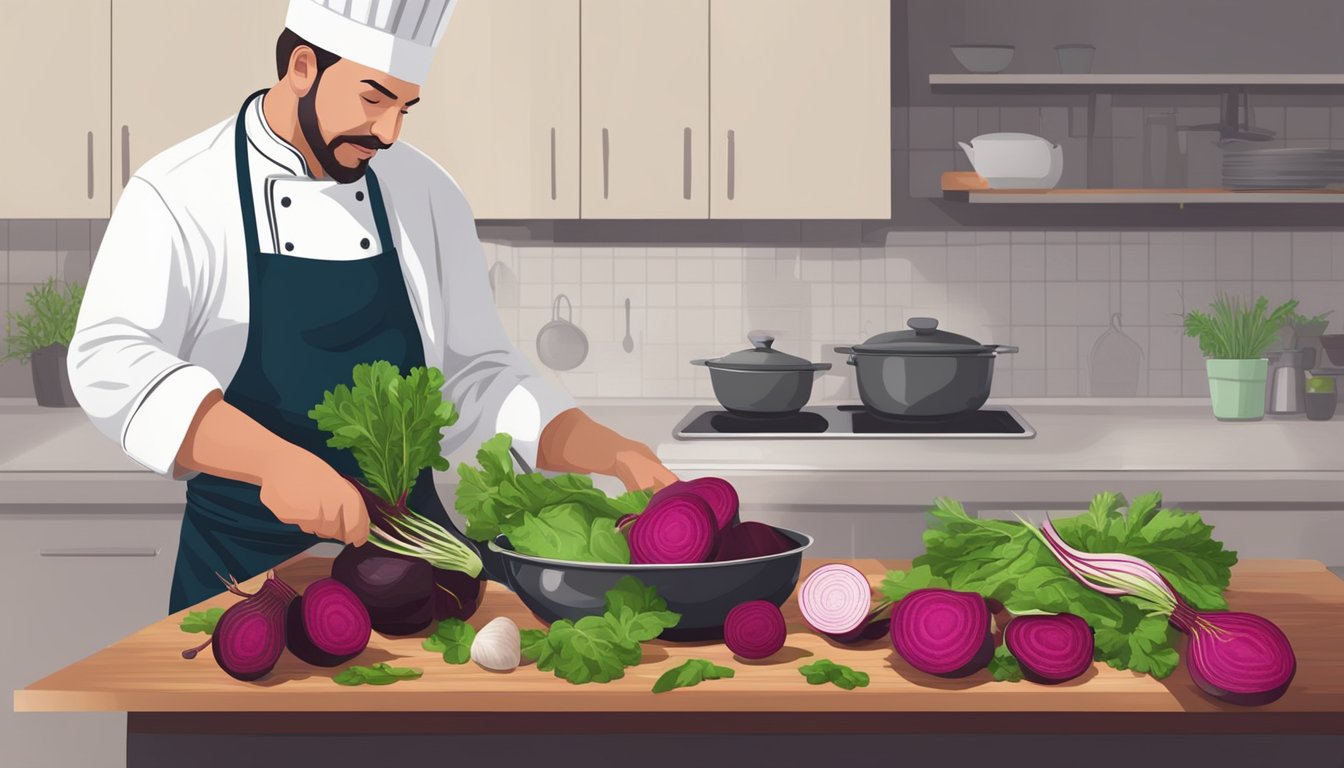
(1004, 560)
(598, 649)
(562, 517)
(693, 672)
(51, 320)
(1234, 331)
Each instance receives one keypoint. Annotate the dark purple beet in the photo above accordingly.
(250, 636)
(328, 625)
(750, 539)
(456, 595)
(397, 590)
(678, 528)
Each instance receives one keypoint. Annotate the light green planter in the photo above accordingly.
(1237, 388)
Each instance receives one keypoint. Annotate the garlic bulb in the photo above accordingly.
(498, 646)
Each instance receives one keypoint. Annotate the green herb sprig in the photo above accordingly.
(825, 671)
(380, 673)
(453, 639)
(692, 673)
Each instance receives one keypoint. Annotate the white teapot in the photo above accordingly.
(1015, 160)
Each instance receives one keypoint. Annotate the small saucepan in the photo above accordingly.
(923, 372)
(762, 381)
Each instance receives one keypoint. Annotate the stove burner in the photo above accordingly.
(851, 421)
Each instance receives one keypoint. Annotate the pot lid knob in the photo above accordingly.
(760, 340)
(922, 325)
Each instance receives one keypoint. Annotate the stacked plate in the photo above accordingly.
(1293, 168)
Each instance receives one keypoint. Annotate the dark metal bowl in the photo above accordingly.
(703, 593)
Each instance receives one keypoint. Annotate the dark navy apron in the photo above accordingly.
(310, 321)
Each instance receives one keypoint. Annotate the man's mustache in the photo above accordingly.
(368, 142)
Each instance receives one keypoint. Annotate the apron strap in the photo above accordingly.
(245, 176)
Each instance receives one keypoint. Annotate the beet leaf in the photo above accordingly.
(693, 672)
(202, 621)
(1004, 666)
(453, 639)
(380, 673)
(598, 649)
(562, 517)
(826, 671)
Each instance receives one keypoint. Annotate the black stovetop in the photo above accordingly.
(852, 421)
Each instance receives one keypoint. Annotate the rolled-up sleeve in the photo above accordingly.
(124, 359)
(494, 386)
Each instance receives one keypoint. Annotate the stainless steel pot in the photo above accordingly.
(923, 372)
(762, 381)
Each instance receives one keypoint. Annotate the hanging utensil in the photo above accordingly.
(561, 345)
(628, 343)
(1116, 360)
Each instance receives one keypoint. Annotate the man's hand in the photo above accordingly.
(572, 442)
(304, 490)
(639, 468)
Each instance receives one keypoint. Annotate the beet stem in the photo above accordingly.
(190, 653)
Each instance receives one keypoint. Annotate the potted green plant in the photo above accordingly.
(43, 336)
(1234, 337)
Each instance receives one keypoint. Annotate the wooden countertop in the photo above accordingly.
(144, 673)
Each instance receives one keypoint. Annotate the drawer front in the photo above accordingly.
(71, 585)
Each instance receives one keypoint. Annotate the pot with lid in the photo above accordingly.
(923, 372)
(762, 381)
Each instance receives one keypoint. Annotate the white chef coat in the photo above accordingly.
(165, 313)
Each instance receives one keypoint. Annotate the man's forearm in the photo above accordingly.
(226, 442)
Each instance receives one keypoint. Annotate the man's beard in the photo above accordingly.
(326, 152)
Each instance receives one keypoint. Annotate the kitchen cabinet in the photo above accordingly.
(55, 129)
(70, 585)
(180, 67)
(800, 109)
(501, 107)
(645, 109)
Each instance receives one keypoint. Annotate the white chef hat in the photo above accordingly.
(393, 36)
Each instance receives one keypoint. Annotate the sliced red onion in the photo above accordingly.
(836, 599)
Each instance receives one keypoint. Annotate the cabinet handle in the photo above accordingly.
(552, 163)
(101, 552)
(125, 155)
(606, 163)
(686, 164)
(732, 164)
(90, 154)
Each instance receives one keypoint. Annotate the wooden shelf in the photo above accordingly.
(969, 187)
(1138, 80)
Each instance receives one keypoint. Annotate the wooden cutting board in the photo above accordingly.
(145, 673)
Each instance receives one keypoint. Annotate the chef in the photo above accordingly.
(248, 269)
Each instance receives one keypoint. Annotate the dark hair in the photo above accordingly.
(284, 49)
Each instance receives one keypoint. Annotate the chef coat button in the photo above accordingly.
(284, 201)
(359, 196)
(289, 246)
(364, 243)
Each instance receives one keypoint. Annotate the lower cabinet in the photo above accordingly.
(72, 584)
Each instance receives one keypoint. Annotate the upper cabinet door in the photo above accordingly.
(55, 116)
(800, 104)
(181, 66)
(501, 107)
(645, 109)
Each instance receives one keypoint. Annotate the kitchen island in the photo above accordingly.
(767, 714)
